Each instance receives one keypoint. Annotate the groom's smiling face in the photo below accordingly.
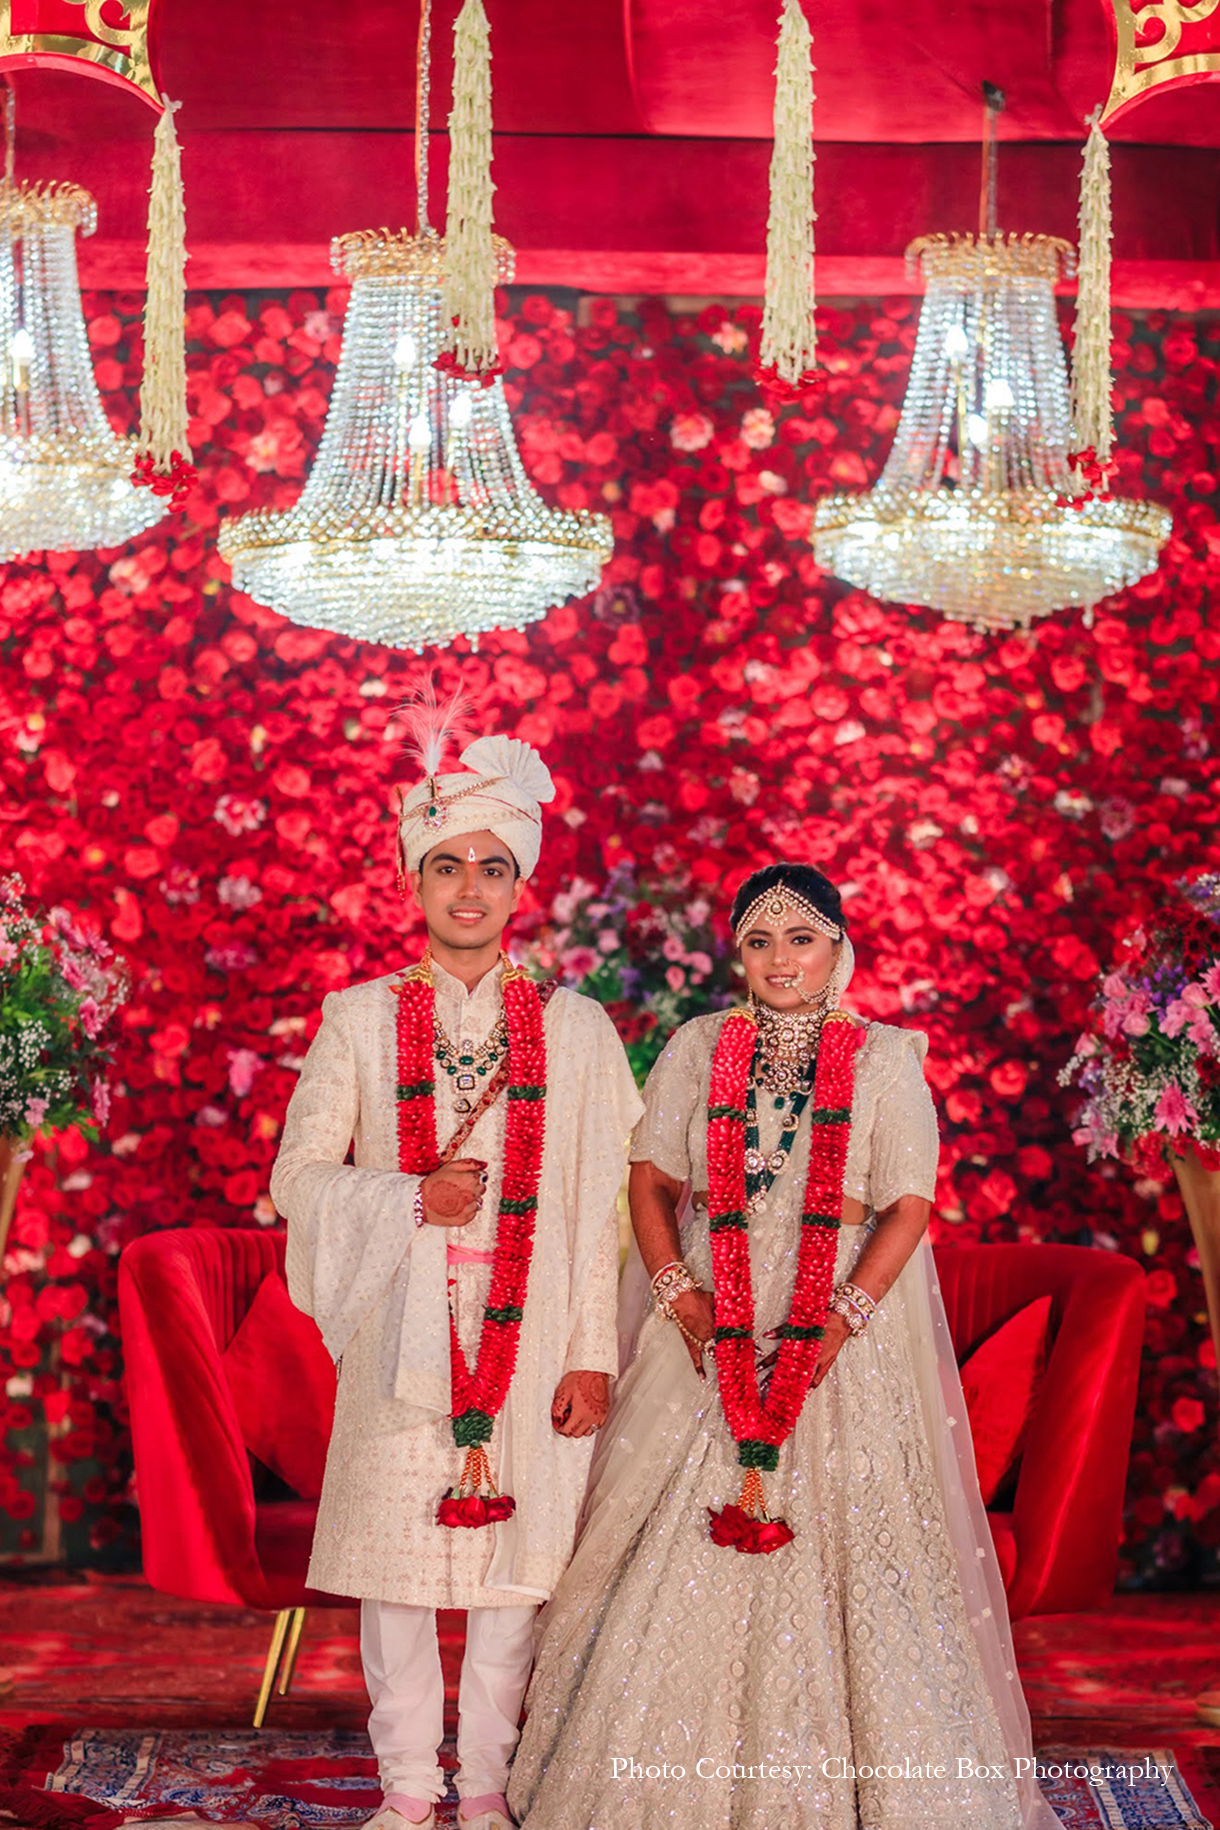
(468, 887)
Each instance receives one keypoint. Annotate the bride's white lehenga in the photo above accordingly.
(685, 1685)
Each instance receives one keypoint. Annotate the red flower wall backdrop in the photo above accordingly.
(215, 787)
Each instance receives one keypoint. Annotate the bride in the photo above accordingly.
(784, 1607)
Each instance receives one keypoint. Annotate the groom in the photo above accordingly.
(463, 1268)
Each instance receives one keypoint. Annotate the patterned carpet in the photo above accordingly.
(140, 1702)
(284, 1780)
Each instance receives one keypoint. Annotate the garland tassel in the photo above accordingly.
(1092, 410)
(164, 464)
(468, 287)
(788, 351)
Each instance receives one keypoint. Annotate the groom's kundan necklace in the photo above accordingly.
(479, 1394)
(760, 1425)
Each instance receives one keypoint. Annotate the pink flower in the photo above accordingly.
(100, 1100)
(71, 973)
(35, 1111)
(691, 432)
(1174, 1112)
(1135, 1017)
(1202, 1033)
(243, 1066)
(240, 813)
(1175, 1019)
(757, 429)
(675, 978)
(91, 1018)
(579, 962)
(1195, 996)
(1210, 982)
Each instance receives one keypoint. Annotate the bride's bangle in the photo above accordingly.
(855, 1305)
(673, 1279)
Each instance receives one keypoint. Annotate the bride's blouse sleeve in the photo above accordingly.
(905, 1143)
(671, 1096)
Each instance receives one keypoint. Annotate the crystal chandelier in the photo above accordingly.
(417, 522)
(65, 475)
(972, 514)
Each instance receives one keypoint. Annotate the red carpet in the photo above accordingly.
(101, 1676)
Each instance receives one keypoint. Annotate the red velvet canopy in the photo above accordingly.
(633, 139)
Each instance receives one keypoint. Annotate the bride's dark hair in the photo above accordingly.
(805, 879)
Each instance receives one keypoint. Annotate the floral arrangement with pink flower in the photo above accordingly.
(649, 953)
(1150, 1066)
(60, 985)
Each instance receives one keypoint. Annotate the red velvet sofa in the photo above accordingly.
(1058, 1544)
(183, 1295)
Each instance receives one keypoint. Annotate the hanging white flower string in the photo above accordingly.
(1092, 409)
(788, 349)
(468, 287)
(164, 464)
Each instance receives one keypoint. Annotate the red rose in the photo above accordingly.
(730, 1526)
(500, 1507)
(471, 1510)
(772, 1534)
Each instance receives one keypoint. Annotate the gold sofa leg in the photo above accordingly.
(290, 1650)
(273, 1659)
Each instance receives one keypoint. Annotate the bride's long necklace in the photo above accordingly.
(785, 1056)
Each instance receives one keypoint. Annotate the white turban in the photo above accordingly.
(500, 791)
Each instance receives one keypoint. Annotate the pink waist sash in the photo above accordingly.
(464, 1254)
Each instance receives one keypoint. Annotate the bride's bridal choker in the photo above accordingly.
(787, 1044)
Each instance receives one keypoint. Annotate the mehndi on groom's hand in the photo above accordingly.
(580, 1404)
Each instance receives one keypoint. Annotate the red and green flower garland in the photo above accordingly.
(759, 1425)
(478, 1395)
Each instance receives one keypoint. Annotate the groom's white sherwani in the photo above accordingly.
(378, 1288)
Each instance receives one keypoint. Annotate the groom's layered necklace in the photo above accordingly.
(761, 1425)
(478, 1394)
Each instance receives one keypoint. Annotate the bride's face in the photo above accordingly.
(787, 962)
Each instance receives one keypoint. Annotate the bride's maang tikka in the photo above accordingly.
(780, 901)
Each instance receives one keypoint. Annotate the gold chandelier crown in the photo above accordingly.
(29, 205)
(376, 253)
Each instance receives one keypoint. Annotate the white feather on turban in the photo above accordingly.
(501, 791)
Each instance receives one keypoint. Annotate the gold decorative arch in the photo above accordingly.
(1168, 42)
(75, 35)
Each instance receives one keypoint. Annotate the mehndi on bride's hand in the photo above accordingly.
(696, 1310)
(836, 1333)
